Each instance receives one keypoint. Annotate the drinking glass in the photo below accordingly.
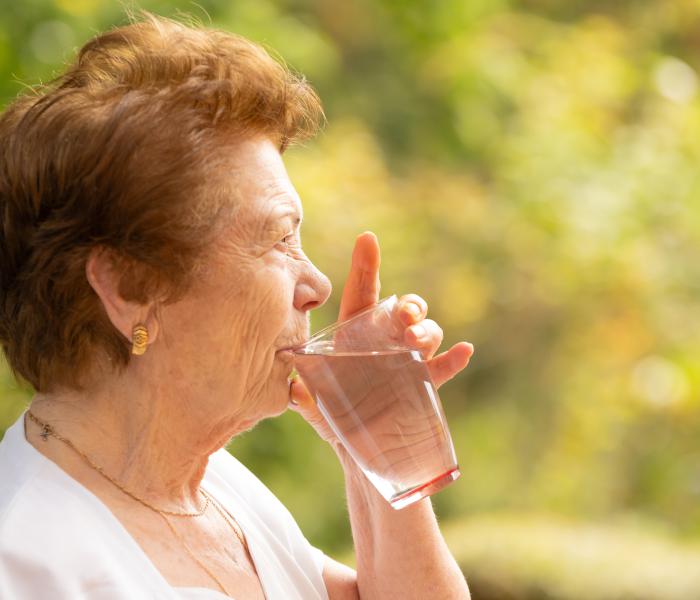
(376, 394)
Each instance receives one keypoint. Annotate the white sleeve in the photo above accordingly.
(319, 558)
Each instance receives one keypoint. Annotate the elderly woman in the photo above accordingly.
(151, 276)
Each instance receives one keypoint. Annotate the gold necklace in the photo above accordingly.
(47, 430)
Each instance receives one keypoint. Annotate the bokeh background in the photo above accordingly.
(531, 169)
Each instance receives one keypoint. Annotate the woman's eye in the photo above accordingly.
(286, 242)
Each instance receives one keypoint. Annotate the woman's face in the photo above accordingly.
(222, 344)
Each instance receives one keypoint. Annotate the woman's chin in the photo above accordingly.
(280, 402)
(272, 408)
(275, 397)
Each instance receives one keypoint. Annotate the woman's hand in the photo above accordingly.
(361, 291)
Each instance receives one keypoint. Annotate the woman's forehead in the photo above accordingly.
(271, 198)
(262, 188)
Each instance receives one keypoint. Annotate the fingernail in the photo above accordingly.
(292, 399)
(418, 331)
(413, 308)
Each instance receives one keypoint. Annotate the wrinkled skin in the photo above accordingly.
(254, 297)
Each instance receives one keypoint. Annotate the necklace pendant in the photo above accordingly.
(45, 432)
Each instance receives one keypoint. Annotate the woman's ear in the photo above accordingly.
(103, 272)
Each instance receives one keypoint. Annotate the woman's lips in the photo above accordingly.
(290, 348)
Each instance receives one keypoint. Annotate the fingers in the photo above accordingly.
(446, 365)
(362, 285)
(421, 333)
(425, 336)
(412, 308)
(362, 290)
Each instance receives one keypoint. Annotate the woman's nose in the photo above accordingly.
(312, 290)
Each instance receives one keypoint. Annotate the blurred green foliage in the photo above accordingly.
(530, 168)
(542, 557)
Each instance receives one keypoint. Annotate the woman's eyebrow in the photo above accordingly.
(292, 212)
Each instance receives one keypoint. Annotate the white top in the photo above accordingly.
(59, 541)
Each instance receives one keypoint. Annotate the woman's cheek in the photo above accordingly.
(277, 278)
(268, 314)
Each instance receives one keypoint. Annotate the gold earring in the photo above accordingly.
(139, 339)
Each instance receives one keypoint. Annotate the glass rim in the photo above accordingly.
(338, 324)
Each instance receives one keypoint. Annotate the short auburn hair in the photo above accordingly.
(117, 152)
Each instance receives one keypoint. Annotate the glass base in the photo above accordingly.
(427, 489)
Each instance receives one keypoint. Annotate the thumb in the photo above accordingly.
(301, 399)
(302, 402)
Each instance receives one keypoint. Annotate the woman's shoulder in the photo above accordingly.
(20, 465)
(37, 522)
(56, 539)
(39, 503)
(42, 509)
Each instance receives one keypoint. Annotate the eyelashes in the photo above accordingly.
(286, 243)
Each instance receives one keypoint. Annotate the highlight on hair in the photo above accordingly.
(116, 153)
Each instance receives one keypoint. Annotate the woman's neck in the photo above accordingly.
(151, 443)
